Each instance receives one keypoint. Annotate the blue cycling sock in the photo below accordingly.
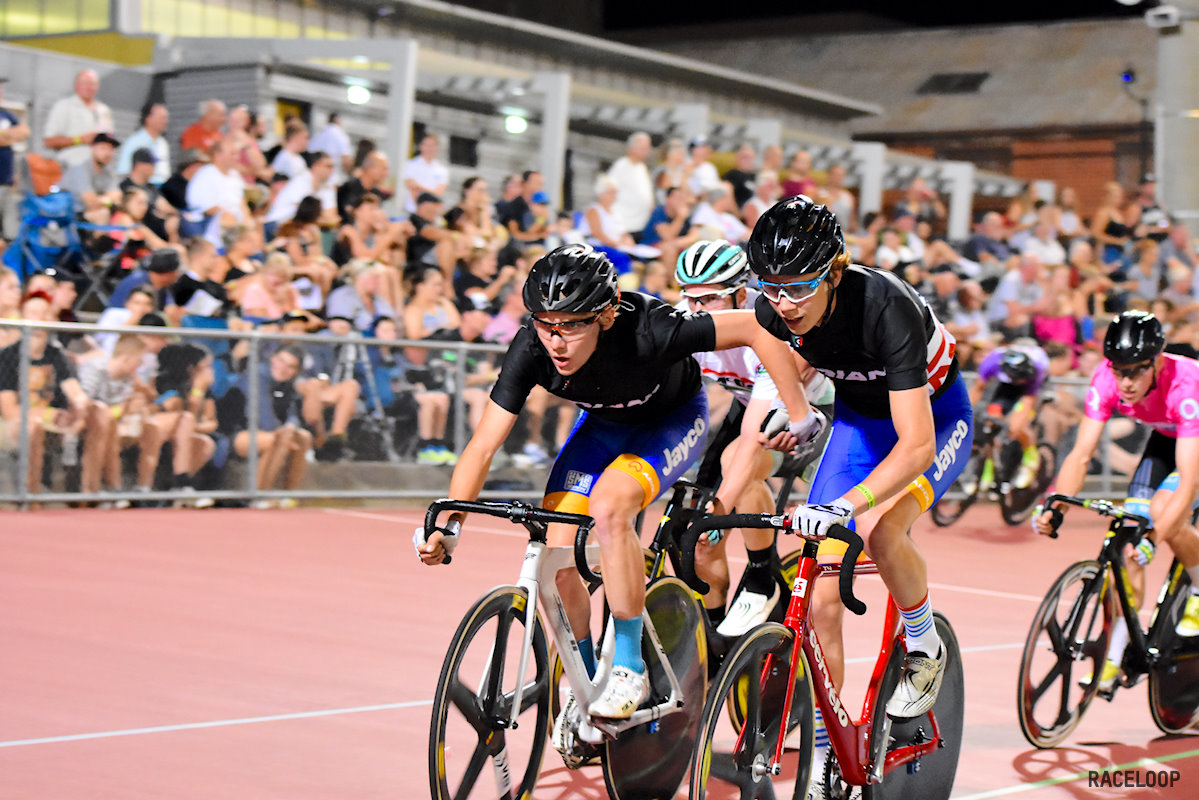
(587, 653)
(628, 644)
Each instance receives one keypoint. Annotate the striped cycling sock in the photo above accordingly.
(820, 748)
(920, 634)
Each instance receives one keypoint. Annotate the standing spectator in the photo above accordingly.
(766, 194)
(290, 158)
(371, 177)
(424, 173)
(703, 175)
(1069, 224)
(204, 133)
(334, 141)
(75, 121)
(798, 177)
(12, 131)
(635, 190)
(315, 181)
(94, 183)
(741, 176)
(216, 196)
(1110, 226)
(150, 137)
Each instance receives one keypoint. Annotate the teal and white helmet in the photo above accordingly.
(716, 262)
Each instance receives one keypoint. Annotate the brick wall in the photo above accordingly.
(1085, 164)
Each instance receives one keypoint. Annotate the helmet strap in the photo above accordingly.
(832, 297)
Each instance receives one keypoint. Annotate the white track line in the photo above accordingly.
(215, 724)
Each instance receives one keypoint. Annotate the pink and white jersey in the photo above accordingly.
(1171, 407)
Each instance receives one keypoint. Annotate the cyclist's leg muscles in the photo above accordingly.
(1183, 539)
(1020, 420)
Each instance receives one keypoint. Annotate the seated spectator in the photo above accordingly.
(174, 190)
(215, 197)
(922, 202)
(139, 302)
(161, 217)
(1042, 239)
(239, 265)
(717, 216)
(312, 182)
(1068, 224)
(741, 176)
(658, 281)
(161, 269)
(1179, 294)
(481, 283)
(473, 217)
(428, 230)
(428, 309)
(196, 292)
(10, 304)
(1019, 295)
(1063, 315)
(424, 174)
(838, 199)
(114, 420)
(290, 159)
(508, 319)
(185, 387)
(989, 243)
(370, 235)
(601, 226)
(1143, 280)
(136, 239)
(282, 442)
(361, 297)
(250, 162)
(525, 226)
(635, 188)
(906, 223)
(58, 403)
(703, 177)
(946, 282)
(94, 183)
(969, 325)
(204, 133)
(892, 253)
(798, 177)
(480, 370)
(766, 193)
(673, 170)
(370, 179)
(669, 226)
(300, 238)
(272, 294)
(328, 383)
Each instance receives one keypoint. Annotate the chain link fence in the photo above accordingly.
(199, 416)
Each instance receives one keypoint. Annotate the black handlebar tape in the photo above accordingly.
(711, 523)
(854, 542)
(581, 555)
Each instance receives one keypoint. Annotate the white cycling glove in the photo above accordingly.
(818, 520)
(807, 430)
(448, 540)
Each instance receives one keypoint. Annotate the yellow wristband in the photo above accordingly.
(867, 494)
(116, 411)
(197, 393)
(78, 140)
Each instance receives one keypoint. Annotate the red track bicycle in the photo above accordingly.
(768, 677)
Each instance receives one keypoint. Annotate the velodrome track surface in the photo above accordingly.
(294, 654)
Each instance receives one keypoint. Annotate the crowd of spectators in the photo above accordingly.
(231, 227)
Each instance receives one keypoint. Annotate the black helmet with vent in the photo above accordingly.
(797, 236)
(1133, 337)
(574, 278)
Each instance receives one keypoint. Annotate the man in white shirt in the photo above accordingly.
(315, 182)
(424, 173)
(150, 137)
(217, 192)
(74, 121)
(336, 142)
(634, 189)
(289, 160)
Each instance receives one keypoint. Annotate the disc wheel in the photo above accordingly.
(932, 778)
(649, 762)
(949, 510)
(733, 761)
(1174, 677)
(1064, 654)
(474, 698)
(1016, 505)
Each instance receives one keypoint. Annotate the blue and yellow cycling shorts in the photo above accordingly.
(655, 454)
(858, 444)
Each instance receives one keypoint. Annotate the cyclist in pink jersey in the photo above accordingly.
(1141, 381)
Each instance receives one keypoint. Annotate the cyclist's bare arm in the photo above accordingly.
(912, 414)
(1177, 511)
(741, 329)
(471, 471)
(745, 451)
(1073, 472)
(976, 391)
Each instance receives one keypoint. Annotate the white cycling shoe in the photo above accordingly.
(917, 689)
(624, 691)
(749, 610)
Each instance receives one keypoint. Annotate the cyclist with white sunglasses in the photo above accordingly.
(714, 276)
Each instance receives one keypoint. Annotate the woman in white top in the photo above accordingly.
(601, 226)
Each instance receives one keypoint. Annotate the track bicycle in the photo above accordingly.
(1072, 627)
(492, 702)
(769, 673)
(995, 454)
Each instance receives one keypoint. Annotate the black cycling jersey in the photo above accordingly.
(881, 336)
(641, 369)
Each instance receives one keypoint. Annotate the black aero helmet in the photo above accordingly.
(1017, 366)
(572, 278)
(1133, 337)
(796, 236)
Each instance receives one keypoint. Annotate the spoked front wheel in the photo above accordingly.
(1016, 505)
(1071, 629)
(734, 762)
(930, 778)
(474, 700)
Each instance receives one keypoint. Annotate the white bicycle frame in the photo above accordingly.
(537, 577)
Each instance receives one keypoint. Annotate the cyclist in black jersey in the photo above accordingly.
(902, 420)
(626, 361)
